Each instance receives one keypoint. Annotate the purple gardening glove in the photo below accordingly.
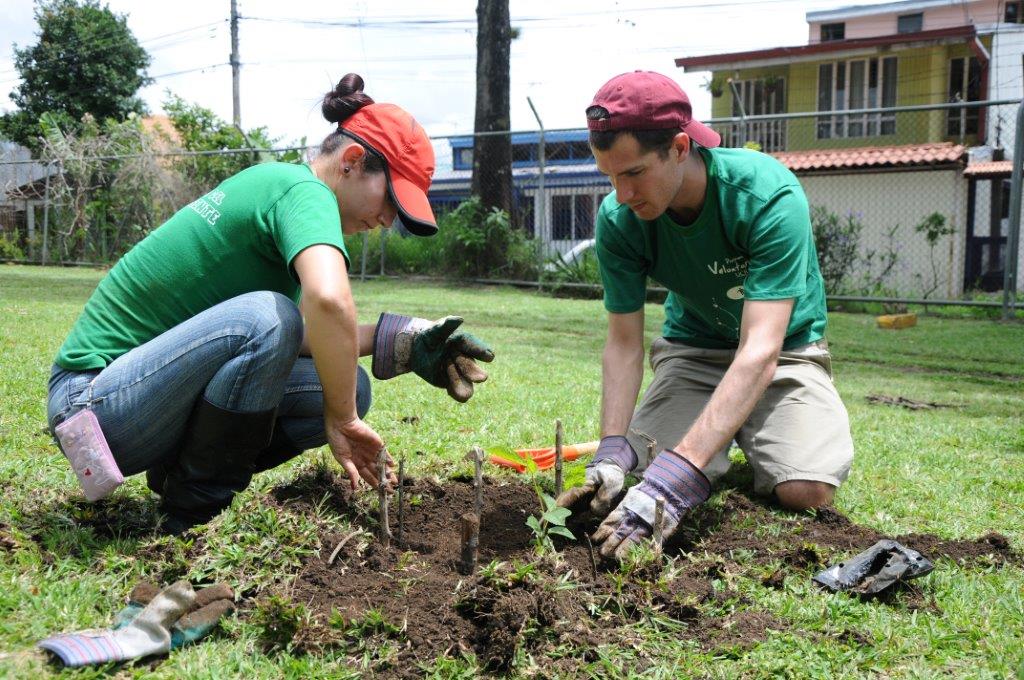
(670, 475)
(606, 474)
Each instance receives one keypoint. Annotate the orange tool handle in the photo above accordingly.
(505, 462)
(544, 458)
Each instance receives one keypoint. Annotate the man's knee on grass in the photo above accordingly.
(799, 494)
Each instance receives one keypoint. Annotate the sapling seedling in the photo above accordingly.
(551, 522)
(552, 518)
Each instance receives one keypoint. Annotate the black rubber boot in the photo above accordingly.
(217, 460)
(280, 450)
(156, 476)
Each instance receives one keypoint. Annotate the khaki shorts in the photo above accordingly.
(798, 430)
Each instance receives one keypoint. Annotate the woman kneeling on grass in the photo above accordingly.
(225, 342)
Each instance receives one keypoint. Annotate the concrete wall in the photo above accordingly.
(883, 200)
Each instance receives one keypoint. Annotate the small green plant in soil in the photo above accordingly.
(551, 523)
(278, 620)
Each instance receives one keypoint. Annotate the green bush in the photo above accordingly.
(411, 255)
(9, 250)
(481, 243)
(472, 242)
(836, 240)
(584, 269)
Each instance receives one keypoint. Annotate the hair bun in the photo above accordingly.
(345, 99)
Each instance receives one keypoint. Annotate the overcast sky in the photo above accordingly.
(423, 59)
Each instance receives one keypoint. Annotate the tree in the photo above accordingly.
(492, 154)
(200, 129)
(86, 61)
(112, 188)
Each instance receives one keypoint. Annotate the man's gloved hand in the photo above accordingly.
(154, 622)
(605, 476)
(669, 475)
(431, 349)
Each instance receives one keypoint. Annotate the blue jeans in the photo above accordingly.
(241, 355)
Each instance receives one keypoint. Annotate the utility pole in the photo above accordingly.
(235, 65)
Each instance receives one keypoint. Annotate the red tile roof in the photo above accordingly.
(939, 153)
(989, 169)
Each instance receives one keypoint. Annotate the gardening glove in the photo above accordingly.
(605, 476)
(211, 604)
(671, 476)
(149, 632)
(431, 349)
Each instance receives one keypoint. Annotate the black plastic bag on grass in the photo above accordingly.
(875, 570)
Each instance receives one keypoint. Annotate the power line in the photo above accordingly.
(111, 39)
(409, 21)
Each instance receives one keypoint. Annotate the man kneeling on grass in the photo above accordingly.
(743, 354)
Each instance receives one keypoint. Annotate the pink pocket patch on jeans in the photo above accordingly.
(86, 448)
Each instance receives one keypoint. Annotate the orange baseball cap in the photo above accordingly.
(394, 134)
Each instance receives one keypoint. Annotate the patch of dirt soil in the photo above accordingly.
(906, 403)
(808, 542)
(409, 605)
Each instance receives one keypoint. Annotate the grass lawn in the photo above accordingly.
(955, 472)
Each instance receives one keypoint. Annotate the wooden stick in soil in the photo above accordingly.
(559, 435)
(478, 482)
(593, 561)
(470, 541)
(401, 501)
(659, 523)
(382, 494)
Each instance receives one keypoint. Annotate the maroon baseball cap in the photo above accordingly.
(645, 100)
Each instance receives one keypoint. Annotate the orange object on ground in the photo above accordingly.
(544, 458)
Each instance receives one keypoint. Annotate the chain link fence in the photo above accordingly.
(910, 205)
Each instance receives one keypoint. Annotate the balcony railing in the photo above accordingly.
(770, 134)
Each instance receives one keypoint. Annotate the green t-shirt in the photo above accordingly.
(752, 240)
(241, 237)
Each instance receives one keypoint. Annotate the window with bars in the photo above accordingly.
(760, 97)
(857, 84)
(572, 216)
(964, 86)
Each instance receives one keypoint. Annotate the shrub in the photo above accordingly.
(481, 243)
(836, 240)
(9, 250)
(472, 242)
(933, 227)
(583, 269)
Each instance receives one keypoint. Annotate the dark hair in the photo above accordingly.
(649, 140)
(338, 105)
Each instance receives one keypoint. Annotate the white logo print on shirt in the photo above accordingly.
(205, 210)
(733, 265)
